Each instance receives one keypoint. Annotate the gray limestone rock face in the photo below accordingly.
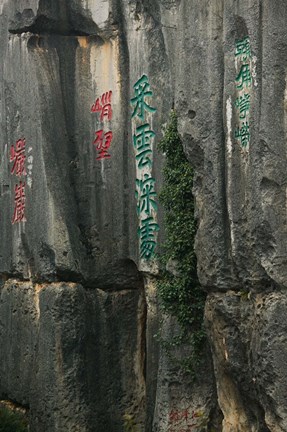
(79, 308)
(239, 155)
(75, 358)
(241, 240)
(69, 238)
(248, 338)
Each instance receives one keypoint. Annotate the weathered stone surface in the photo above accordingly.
(79, 225)
(184, 402)
(115, 359)
(241, 201)
(18, 317)
(81, 214)
(74, 357)
(74, 295)
(248, 337)
(241, 239)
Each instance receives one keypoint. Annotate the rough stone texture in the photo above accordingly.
(248, 335)
(241, 202)
(74, 357)
(241, 239)
(183, 402)
(77, 316)
(82, 352)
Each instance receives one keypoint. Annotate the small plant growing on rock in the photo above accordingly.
(201, 421)
(179, 291)
(12, 421)
(129, 423)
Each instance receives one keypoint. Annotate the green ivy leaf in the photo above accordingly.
(180, 296)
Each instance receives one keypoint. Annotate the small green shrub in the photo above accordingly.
(201, 421)
(129, 423)
(180, 294)
(12, 421)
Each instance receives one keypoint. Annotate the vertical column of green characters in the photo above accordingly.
(143, 141)
(243, 83)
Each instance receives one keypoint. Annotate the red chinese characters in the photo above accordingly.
(186, 421)
(102, 142)
(19, 210)
(18, 157)
(103, 105)
(175, 416)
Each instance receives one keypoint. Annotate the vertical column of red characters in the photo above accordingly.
(18, 157)
(102, 142)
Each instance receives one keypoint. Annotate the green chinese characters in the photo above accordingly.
(146, 202)
(243, 105)
(244, 77)
(243, 83)
(142, 92)
(146, 195)
(242, 133)
(145, 185)
(242, 48)
(146, 233)
(143, 145)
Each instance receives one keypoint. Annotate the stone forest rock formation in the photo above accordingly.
(86, 87)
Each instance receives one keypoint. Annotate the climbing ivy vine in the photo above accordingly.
(179, 291)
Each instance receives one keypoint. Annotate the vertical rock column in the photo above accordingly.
(73, 295)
